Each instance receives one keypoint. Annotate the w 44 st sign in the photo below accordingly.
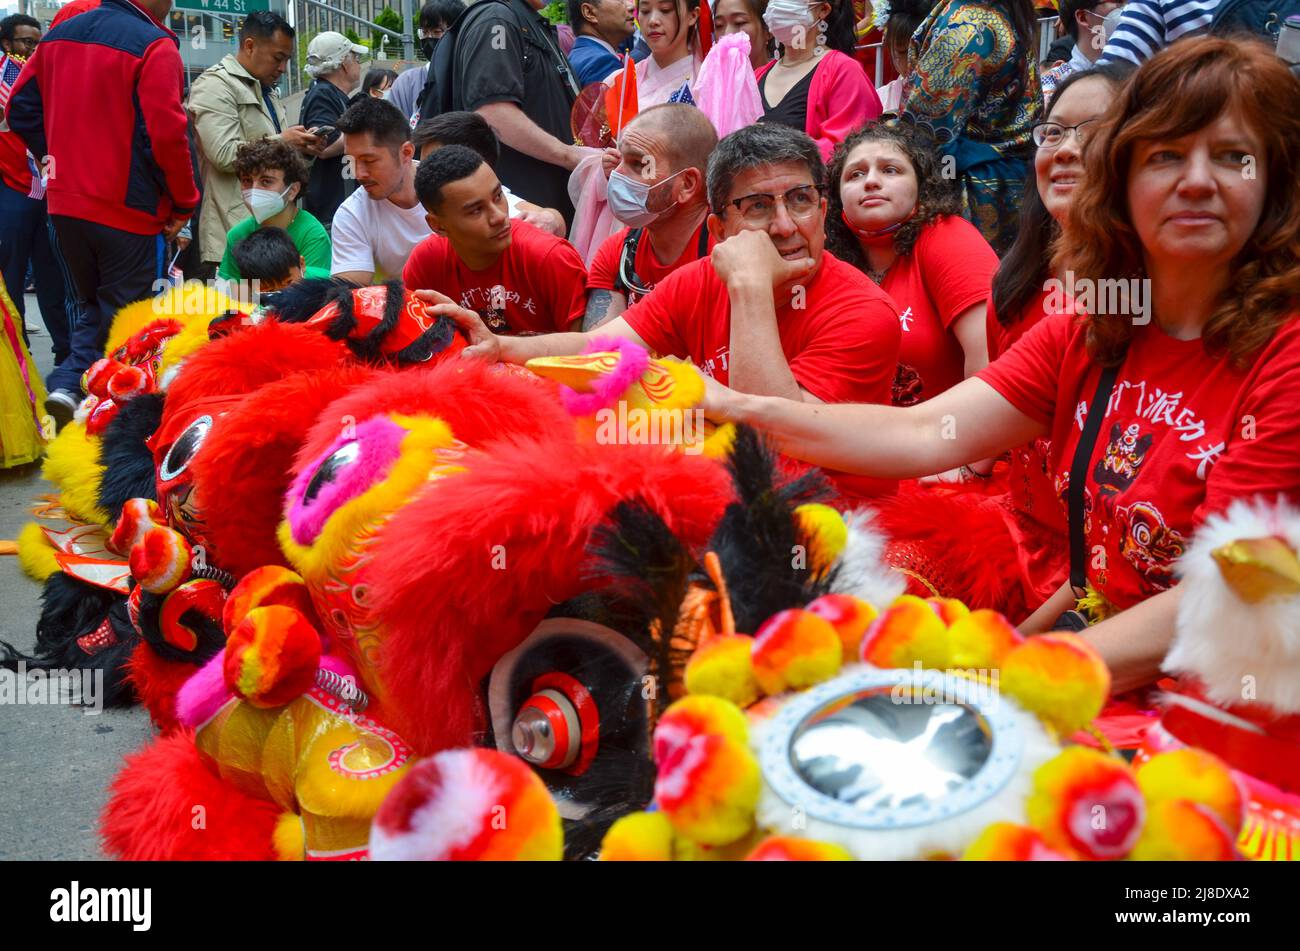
(238, 7)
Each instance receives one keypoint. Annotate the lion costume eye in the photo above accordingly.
(331, 468)
(344, 471)
(184, 449)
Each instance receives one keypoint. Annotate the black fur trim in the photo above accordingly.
(124, 454)
(299, 302)
(434, 340)
(210, 638)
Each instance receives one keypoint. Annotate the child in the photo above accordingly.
(270, 257)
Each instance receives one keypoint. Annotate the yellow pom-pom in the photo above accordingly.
(795, 649)
(1059, 677)
(980, 640)
(35, 553)
(289, 838)
(826, 534)
(910, 631)
(1196, 776)
(722, 667)
(950, 610)
(639, 837)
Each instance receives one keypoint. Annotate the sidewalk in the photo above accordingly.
(56, 762)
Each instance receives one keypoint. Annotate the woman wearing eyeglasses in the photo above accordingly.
(973, 76)
(1176, 393)
(816, 86)
(894, 216)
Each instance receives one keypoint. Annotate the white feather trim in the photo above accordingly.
(1237, 649)
(862, 571)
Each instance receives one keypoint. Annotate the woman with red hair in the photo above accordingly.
(1182, 250)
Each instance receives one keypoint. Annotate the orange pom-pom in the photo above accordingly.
(160, 560)
(272, 656)
(270, 584)
(1086, 802)
(137, 517)
(708, 781)
(1059, 677)
(1008, 842)
(1177, 830)
(850, 616)
(794, 649)
(909, 631)
(202, 595)
(950, 610)
(981, 640)
(476, 805)
(782, 848)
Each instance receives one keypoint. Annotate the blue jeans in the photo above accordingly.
(25, 238)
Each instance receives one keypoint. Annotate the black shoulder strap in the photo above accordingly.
(1079, 478)
(627, 259)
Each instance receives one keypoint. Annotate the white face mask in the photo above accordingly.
(264, 203)
(791, 22)
(627, 199)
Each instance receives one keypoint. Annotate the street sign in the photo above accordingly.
(230, 7)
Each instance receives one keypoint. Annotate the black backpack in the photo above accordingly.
(1258, 18)
(439, 94)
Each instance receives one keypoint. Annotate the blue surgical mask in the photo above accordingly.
(627, 199)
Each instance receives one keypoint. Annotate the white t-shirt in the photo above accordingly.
(378, 236)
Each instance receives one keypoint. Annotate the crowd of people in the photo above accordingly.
(914, 300)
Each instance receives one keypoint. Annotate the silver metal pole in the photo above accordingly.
(408, 31)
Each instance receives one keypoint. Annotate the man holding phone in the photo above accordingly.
(333, 62)
(232, 103)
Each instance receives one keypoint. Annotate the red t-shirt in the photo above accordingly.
(603, 274)
(1184, 435)
(538, 285)
(841, 344)
(949, 270)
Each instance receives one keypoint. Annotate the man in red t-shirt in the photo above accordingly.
(516, 278)
(770, 311)
(658, 191)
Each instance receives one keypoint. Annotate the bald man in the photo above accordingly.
(658, 191)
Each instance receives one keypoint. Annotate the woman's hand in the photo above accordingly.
(483, 343)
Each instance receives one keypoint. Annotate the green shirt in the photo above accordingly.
(307, 234)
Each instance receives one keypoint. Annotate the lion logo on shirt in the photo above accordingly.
(1148, 544)
(1124, 455)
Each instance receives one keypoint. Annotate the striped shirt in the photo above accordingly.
(1148, 26)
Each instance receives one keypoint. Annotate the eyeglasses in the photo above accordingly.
(1049, 135)
(800, 203)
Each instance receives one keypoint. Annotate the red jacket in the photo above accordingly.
(100, 99)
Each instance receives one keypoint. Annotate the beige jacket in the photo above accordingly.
(228, 109)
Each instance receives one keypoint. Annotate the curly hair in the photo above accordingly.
(264, 155)
(1179, 91)
(935, 195)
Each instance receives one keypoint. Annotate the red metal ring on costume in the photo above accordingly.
(558, 727)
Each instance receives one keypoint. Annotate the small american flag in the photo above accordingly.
(9, 70)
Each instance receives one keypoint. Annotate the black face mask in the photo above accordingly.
(427, 43)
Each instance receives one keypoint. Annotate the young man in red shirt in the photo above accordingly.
(769, 312)
(517, 279)
(658, 191)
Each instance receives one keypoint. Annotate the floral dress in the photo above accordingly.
(970, 81)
